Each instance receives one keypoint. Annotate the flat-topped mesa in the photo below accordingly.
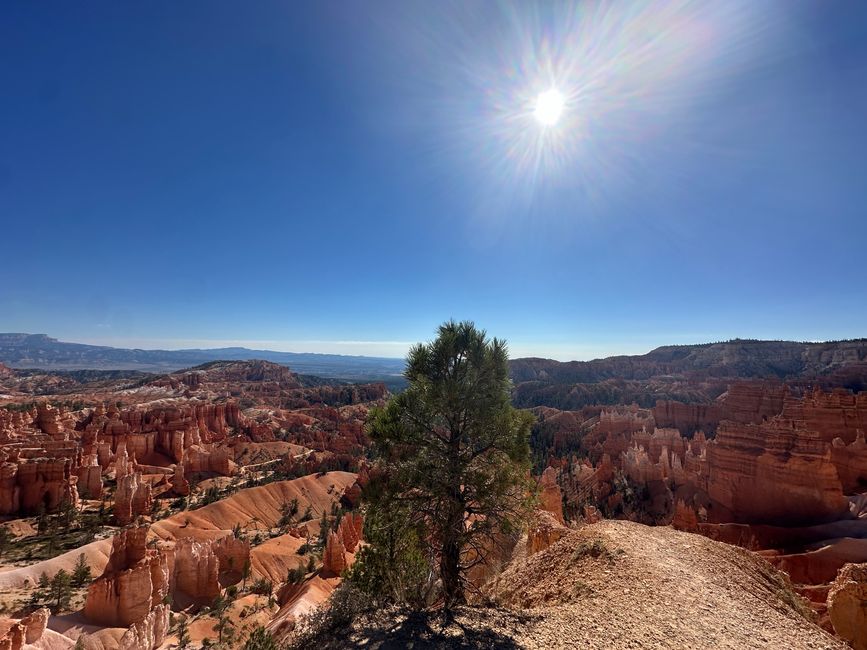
(772, 473)
(133, 586)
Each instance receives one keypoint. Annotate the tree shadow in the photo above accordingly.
(469, 628)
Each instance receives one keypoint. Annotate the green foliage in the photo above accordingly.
(260, 639)
(288, 512)
(183, 633)
(393, 565)
(262, 587)
(296, 575)
(212, 495)
(346, 604)
(81, 572)
(224, 627)
(5, 539)
(452, 457)
(60, 590)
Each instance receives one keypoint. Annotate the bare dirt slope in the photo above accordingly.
(618, 584)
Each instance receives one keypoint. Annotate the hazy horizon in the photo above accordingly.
(385, 349)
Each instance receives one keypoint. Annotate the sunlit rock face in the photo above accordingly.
(847, 605)
(334, 557)
(772, 473)
(134, 584)
(550, 497)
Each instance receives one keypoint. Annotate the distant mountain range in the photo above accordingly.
(689, 373)
(43, 352)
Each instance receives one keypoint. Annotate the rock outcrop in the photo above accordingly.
(26, 631)
(196, 570)
(132, 589)
(847, 605)
(544, 531)
(550, 497)
(350, 529)
(334, 557)
(132, 498)
(774, 473)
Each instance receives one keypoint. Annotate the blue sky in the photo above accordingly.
(343, 176)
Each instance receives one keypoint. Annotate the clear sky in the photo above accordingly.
(343, 176)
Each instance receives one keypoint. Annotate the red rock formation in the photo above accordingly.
(349, 530)
(132, 588)
(334, 557)
(48, 419)
(684, 518)
(216, 460)
(29, 484)
(34, 624)
(838, 414)
(132, 498)
(772, 473)
(550, 497)
(148, 633)
(544, 530)
(851, 463)
(751, 402)
(180, 484)
(90, 478)
(233, 555)
(28, 630)
(847, 605)
(687, 418)
(591, 515)
(196, 570)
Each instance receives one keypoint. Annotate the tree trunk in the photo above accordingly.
(450, 574)
(450, 560)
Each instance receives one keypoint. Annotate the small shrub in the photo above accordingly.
(596, 549)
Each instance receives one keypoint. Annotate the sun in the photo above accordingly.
(549, 107)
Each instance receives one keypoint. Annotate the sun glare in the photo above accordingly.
(549, 107)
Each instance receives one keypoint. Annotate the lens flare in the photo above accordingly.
(549, 107)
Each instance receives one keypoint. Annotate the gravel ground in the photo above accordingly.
(616, 584)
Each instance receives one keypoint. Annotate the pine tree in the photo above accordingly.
(260, 639)
(183, 634)
(5, 540)
(81, 572)
(453, 455)
(61, 589)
